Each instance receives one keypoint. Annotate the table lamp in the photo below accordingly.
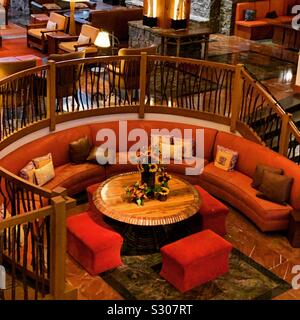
(102, 40)
(72, 29)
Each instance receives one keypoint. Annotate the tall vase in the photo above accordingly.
(149, 178)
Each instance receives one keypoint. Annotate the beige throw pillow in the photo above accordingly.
(44, 174)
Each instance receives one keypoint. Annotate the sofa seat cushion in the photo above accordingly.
(285, 19)
(181, 168)
(252, 24)
(75, 177)
(69, 47)
(37, 33)
(239, 186)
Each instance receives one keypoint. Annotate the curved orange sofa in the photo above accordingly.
(233, 187)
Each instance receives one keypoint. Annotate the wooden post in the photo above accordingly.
(236, 97)
(284, 134)
(143, 83)
(58, 249)
(51, 93)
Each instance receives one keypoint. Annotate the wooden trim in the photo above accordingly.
(23, 73)
(236, 98)
(61, 118)
(24, 132)
(25, 217)
(248, 132)
(189, 113)
(143, 83)
(284, 134)
(51, 94)
(58, 248)
(25, 184)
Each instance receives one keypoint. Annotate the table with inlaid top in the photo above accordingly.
(151, 225)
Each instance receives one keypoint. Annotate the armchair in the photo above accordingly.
(127, 76)
(67, 80)
(4, 6)
(71, 44)
(37, 33)
(11, 96)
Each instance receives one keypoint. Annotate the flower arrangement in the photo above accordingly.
(137, 193)
(146, 188)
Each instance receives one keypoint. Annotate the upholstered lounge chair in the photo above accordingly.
(71, 44)
(37, 33)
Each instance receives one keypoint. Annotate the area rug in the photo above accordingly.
(138, 279)
(12, 31)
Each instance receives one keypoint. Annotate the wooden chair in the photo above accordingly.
(4, 5)
(37, 33)
(10, 95)
(67, 79)
(70, 43)
(127, 75)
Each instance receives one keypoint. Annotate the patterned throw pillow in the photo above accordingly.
(44, 174)
(42, 161)
(226, 159)
(250, 15)
(27, 173)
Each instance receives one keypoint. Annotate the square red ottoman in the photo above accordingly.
(93, 246)
(194, 260)
(213, 213)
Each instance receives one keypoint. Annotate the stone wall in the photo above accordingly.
(218, 12)
(18, 7)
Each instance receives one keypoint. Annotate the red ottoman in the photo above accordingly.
(194, 260)
(213, 213)
(93, 246)
(90, 192)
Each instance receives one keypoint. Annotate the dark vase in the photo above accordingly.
(161, 197)
(149, 179)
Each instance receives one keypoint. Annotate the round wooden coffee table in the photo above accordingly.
(111, 200)
(146, 228)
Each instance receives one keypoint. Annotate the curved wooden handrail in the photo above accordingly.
(177, 107)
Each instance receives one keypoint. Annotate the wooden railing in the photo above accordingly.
(57, 92)
(33, 239)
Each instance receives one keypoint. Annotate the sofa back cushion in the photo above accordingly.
(251, 154)
(57, 144)
(147, 125)
(278, 6)
(261, 8)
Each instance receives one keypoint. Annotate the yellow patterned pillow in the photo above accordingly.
(42, 161)
(223, 160)
(44, 174)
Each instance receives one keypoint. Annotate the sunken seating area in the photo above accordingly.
(233, 187)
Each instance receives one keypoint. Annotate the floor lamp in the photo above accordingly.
(72, 28)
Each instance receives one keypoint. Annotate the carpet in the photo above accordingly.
(138, 279)
(12, 31)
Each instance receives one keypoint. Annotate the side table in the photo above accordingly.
(294, 229)
(55, 38)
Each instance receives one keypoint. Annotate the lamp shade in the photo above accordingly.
(102, 40)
